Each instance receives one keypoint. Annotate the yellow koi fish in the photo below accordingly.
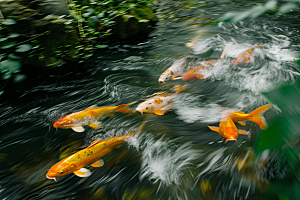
(255, 116)
(247, 56)
(91, 155)
(89, 116)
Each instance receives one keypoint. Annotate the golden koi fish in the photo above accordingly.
(196, 73)
(91, 155)
(247, 56)
(228, 130)
(254, 116)
(89, 116)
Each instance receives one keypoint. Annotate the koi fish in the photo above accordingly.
(254, 116)
(89, 116)
(247, 56)
(196, 73)
(159, 104)
(91, 155)
(174, 72)
(227, 129)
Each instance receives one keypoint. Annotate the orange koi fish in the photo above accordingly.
(89, 116)
(174, 72)
(91, 155)
(247, 56)
(196, 73)
(254, 116)
(228, 130)
(159, 104)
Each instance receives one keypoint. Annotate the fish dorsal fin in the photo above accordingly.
(95, 125)
(98, 163)
(159, 112)
(214, 128)
(243, 132)
(91, 107)
(242, 123)
(83, 172)
(78, 129)
(94, 142)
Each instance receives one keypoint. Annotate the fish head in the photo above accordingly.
(166, 76)
(238, 61)
(145, 107)
(60, 169)
(62, 122)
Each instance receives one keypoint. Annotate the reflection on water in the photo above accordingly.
(176, 156)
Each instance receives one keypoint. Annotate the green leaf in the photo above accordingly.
(14, 35)
(24, 47)
(6, 75)
(13, 56)
(271, 5)
(19, 77)
(102, 46)
(9, 22)
(3, 39)
(12, 65)
(9, 45)
(1, 92)
(287, 8)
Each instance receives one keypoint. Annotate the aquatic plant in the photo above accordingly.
(11, 51)
(273, 6)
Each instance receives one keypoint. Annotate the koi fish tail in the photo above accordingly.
(192, 74)
(223, 53)
(258, 46)
(179, 88)
(122, 108)
(257, 116)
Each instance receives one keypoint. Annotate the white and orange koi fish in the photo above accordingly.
(174, 72)
(159, 104)
(197, 72)
(247, 56)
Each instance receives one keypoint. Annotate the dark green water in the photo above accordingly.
(176, 156)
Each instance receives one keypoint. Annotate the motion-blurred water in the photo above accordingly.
(176, 156)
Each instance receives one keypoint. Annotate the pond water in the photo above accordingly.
(176, 156)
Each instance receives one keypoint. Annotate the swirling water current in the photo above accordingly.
(176, 156)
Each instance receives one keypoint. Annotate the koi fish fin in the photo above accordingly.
(98, 163)
(94, 142)
(242, 123)
(230, 140)
(243, 132)
(122, 109)
(159, 112)
(110, 115)
(223, 53)
(177, 78)
(179, 88)
(163, 110)
(78, 129)
(257, 116)
(91, 107)
(83, 172)
(214, 128)
(95, 125)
